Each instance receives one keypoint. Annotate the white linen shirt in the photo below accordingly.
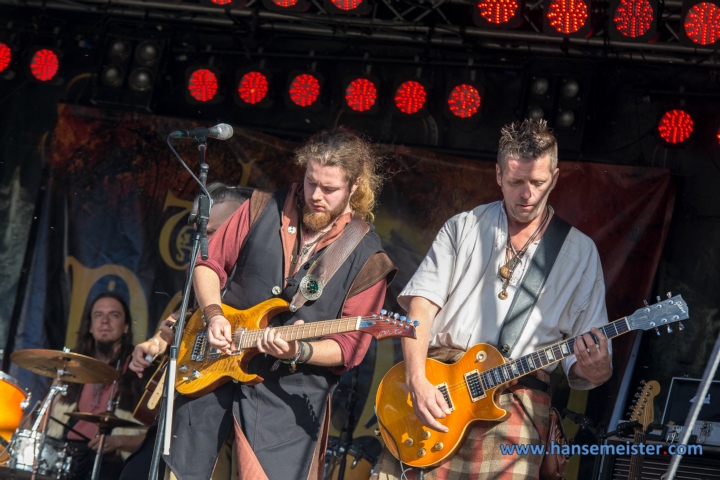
(460, 274)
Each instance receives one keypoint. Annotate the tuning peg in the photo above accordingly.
(658, 298)
(657, 331)
(643, 382)
(383, 312)
(669, 329)
(669, 294)
(416, 323)
(646, 304)
(681, 326)
(637, 395)
(640, 389)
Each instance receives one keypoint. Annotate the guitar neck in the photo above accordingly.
(512, 370)
(636, 461)
(248, 338)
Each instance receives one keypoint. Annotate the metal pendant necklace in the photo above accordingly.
(515, 256)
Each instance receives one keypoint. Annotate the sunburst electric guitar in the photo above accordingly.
(470, 384)
(643, 412)
(201, 369)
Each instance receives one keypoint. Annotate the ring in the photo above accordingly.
(588, 350)
(598, 346)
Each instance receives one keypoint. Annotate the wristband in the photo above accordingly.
(157, 342)
(307, 352)
(211, 311)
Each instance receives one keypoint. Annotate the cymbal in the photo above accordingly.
(105, 420)
(78, 368)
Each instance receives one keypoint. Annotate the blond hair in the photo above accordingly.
(341, 147)
(527, 140)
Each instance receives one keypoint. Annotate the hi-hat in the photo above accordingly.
(76, 368)
(105, 420)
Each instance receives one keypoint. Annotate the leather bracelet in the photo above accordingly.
(211, 311)
(307, 352)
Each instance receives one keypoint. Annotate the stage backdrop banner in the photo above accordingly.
(114, 217)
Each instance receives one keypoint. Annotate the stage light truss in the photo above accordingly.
(538, 26)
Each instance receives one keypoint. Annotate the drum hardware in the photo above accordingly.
(64, 366)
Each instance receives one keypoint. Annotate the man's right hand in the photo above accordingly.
(138, 364)
(220, 334)
(429, 404)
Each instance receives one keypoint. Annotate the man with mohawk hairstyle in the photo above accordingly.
(462, 295)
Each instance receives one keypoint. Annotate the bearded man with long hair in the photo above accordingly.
(105, 334)
(280, 425)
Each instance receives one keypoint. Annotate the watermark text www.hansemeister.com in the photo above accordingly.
(620, 449)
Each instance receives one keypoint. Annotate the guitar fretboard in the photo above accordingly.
(509, 371)
(249, 338)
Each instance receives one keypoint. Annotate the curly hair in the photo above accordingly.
(341, 147)
(129, 384)
(527, 140)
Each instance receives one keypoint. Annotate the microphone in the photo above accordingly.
(222, 131)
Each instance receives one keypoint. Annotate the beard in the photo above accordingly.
(106, 349)
(319, 221)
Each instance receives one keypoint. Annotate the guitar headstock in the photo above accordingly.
(643, 410)
(388, 324)
(664, 312)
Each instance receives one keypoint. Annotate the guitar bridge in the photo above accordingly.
(472, 379)
(446, 395)
(200, 347)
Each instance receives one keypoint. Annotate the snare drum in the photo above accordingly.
(54, 458)
(12, 395)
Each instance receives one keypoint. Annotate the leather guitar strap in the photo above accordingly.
(529, 289)
(334, 255)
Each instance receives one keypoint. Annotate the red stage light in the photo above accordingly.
(253, 87)
(361, 95)
(346, 4)
(702, 23)
(675, 126)
(498, 11)
(5, 57)
(285, 3)
(304, 90)
(44, 65)
(464, 101)
(410, 97)
(633, 18)
(567, 16)
(203, 85)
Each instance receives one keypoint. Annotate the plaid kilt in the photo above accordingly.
(480, 457)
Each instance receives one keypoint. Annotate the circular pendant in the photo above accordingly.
(311, 287)
(505, 272)
(502, 295)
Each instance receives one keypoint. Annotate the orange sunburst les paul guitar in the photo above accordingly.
(470, 384)
(201, 369)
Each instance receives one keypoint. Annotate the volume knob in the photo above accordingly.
(409, 442)
(438, 446)
(422, 452)
(426, 434)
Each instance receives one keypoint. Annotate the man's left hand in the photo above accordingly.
(593, 359)
(112, 443)
(273, 344)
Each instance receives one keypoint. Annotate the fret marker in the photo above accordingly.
(530, 362)
(565, 349)
(549, 354)
(514, 369)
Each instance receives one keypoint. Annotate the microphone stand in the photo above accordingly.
(351, 424)
(164, 434)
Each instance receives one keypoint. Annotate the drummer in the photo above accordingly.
(106, 335)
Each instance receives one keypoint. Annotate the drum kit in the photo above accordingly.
(30, 452)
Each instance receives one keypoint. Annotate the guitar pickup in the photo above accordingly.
(472, 380)
(200, 347)
(446, 394)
